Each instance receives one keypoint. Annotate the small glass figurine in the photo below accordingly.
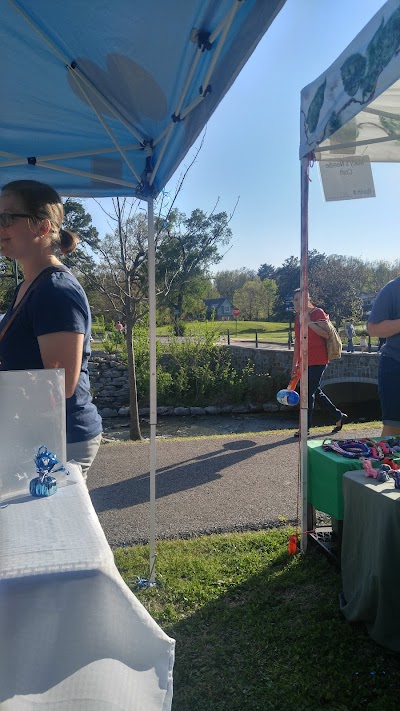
(45, 484)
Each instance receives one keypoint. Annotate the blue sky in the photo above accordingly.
(251, 150)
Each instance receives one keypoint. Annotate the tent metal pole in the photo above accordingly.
(304, 349)
(153, 386)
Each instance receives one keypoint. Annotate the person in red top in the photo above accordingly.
(317, 360)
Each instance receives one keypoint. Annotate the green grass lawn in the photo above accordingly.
(258, 630)
(246, 330)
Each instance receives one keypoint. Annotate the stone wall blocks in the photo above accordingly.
(108, 412)
(213, 410)
(181, 411)
(197, 410)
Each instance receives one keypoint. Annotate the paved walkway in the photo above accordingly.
(225, 483)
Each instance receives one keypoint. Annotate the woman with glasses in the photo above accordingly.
(48, 322)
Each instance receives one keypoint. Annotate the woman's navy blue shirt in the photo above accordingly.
(56, 303)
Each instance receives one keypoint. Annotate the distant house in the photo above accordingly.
(219, 309)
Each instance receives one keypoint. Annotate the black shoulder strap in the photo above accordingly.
(45, 273)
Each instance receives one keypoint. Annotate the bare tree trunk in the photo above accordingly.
(134, 427)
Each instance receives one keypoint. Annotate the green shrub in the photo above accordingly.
(198, 371)
(194, 371)
(113, 342)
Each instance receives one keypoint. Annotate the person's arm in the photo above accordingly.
(296, 349)
(63, 350)
(384, 329)
(384, 307)
(320, 327)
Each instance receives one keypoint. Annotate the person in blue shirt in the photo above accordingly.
(52, 326)
(384, 322)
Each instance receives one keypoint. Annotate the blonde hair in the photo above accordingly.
(42, 202)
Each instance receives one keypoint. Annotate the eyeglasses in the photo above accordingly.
(7, 218)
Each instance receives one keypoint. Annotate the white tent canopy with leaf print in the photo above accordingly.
(354, 107)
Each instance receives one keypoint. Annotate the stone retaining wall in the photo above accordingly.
(109, 379)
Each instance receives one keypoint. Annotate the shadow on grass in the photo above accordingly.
(279, 642)
(183, 475)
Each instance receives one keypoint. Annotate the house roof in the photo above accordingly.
(215, 303)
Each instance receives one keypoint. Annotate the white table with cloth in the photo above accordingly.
(73, 636)
(370, 556)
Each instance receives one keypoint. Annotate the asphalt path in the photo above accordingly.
(203, 485)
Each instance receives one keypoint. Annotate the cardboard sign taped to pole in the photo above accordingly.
(347, 178)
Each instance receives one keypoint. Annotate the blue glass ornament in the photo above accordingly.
(43, 486)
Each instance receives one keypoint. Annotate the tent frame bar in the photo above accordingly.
(354, 144)
(106, 127)
(75, 154)
(224, 26)
(378, 112)
(228, 24)
(83, 174)
(76, 70)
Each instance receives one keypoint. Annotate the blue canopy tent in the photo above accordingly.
(352, 109)
(105, 98)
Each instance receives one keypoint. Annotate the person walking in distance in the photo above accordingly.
(350, 331)
(317, 360)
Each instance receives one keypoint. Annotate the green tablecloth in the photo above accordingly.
(370, 557)
(325, 475)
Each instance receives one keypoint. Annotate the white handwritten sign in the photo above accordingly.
(347, 178)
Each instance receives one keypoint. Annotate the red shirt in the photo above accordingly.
(317, 353)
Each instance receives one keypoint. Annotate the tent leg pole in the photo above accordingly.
(304, 350)
(153, 387)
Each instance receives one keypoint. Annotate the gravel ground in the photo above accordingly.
(215, 484)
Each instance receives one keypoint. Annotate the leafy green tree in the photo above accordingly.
(269, 287)
(189, 247)
(10, 273)
(335, 288)
(266, 271)
(228, 281)
(287, 278)
(380, 273)
(251, 300)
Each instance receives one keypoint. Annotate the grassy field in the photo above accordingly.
(245, 330)
(259, 630)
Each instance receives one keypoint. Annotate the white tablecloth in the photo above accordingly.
(73, 637)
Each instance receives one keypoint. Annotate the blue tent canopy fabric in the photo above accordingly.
(105, 98)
